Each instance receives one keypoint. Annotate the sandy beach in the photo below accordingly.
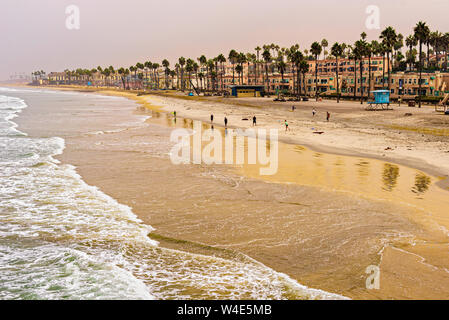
(409, 136)
(321, 233)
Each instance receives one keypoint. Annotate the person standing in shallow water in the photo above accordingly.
(226, 122)
(254, 121)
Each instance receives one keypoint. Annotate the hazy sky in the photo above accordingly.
(120, 33)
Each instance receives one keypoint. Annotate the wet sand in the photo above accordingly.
(323, 232)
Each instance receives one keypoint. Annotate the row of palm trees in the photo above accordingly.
(389, 47)
(38, 75)
(208, 75)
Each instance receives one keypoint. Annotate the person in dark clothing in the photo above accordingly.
(211, 118)
(254, 121)
(226, 122)
(328, 116)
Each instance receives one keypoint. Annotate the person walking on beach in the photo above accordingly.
(211, 118)
(313, 112)
(286, 126)
(226, 122)
(254, 121)
(293, 108)
(174, 113)
(328, 116)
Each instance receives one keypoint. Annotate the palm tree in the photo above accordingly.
(172, 75)
(324, 45)
(251, 58)
(291, 57)
(189, 69)
(281, 66)
(352, 56)
(195, 68)
(213, 75)
(239, 70)
(304, 68)
(203, 63)
(297, 57)
(166, 65)
(106, 73)
(123, 73)
(177, 67)
(445, 47)
(216, 73)
(100, 70)
(411, 42)
(398, 46)
(201, 77)
(241, 59)
(257, 49)
(148, 66)
(428, 43)
(316, 49)
(359, 50)
(435, 42)
(411, 56)
(134, 69)
(140, 66)
(156, 74)
(267, 58)
(389, 38)
(373, 49)
(221, 59)
(233, 59)
(421, 34)
(182, 62)
(383, 52)
(337, 51)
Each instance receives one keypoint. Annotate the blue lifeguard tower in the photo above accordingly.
(381, 100)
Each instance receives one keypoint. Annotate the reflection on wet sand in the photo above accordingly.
(352, 205)
(422, 183)
(367, 177)
(390, 176)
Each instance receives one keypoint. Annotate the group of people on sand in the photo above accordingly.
(226, 120)
(314, 113)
